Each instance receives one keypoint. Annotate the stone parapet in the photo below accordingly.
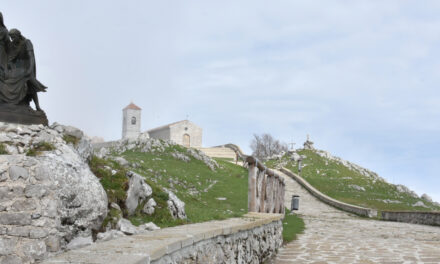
(250, 239)
(424, 218)
(367, 212)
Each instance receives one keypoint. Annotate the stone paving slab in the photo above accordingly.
(334, 236)
(147, 247)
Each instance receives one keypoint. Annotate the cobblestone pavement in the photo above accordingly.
(333, 236)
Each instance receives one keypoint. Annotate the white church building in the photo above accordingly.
(183, 132)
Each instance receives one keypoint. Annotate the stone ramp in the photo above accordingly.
(334, 236)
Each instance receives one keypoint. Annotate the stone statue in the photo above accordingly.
(18, 83)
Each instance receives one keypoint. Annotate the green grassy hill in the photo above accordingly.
(211, 189)
(350, 183)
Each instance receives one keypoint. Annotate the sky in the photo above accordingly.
(360, 77)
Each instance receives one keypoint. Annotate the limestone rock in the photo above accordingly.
(199, 155)
(420, 204)
(126, 227)
(149, 226)
(426, 198)
(11, 259)
(80, 242)
(47, 200)
(149, 207)
(123, 162)
(138, 191)
(176, 206)
(109, 235)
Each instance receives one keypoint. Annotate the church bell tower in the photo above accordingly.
(131, 121)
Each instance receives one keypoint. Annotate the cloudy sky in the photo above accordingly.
(361, 77)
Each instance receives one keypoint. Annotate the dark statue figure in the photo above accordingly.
(18, 83)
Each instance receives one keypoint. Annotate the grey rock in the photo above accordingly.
(176, 206)
(79, 242)
(420, 204)
(3, 230)
(73, 131)
(149, 226)
(149, 207)
(4, 193)
(16, 172)
(53, 244)
(36, 191)
(123, 162)
(3, 176)
(426, 198)
(15, 219)
(109, 235)
(38, 233)
(115, 206)
(35, 216)
(7, 245)
(2, 208)
(34, 249)
(24, 205)
(41, 173)
(11, 259)
(126, 227)
(18, 231)
(138, 190)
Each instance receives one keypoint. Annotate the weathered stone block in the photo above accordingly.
(41, 173)
(36, 191)
(15, 219)
(24, 205)
(18, 231)
(16, 173)
(38, 233)
(53, 244)
(34, 249)
(7, 246)
(11, 259)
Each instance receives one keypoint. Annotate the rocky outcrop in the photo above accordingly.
(138, 191)
(47, 200)
(176, 206)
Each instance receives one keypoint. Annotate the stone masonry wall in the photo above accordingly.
(424, 218)
(46, 200)
(250, 246)
(252, 238)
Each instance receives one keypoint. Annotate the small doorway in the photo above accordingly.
(186, 141)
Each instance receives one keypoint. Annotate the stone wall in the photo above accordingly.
(367, 212)
(250, 239)
(424, 218)
(48, 199)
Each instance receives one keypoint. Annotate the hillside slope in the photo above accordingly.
(350, 183)
(211, 189)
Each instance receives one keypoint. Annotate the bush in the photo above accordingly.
(36, 149)
(3, 150)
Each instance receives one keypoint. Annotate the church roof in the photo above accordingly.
(132, 106)
(166, 126)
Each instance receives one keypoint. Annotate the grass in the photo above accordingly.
(38, 148)
(193, 182)
(292, 226)
(71, 139)
(3, 150)
(337, 181)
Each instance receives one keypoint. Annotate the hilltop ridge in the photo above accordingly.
(351, 183)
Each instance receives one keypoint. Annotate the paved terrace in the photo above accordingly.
(333, 236)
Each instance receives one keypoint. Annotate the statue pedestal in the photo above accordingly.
(22, 114)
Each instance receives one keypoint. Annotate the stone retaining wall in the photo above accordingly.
(250, 239)
(368, 212)
(424, 218)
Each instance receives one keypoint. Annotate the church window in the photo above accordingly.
(133, 120)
